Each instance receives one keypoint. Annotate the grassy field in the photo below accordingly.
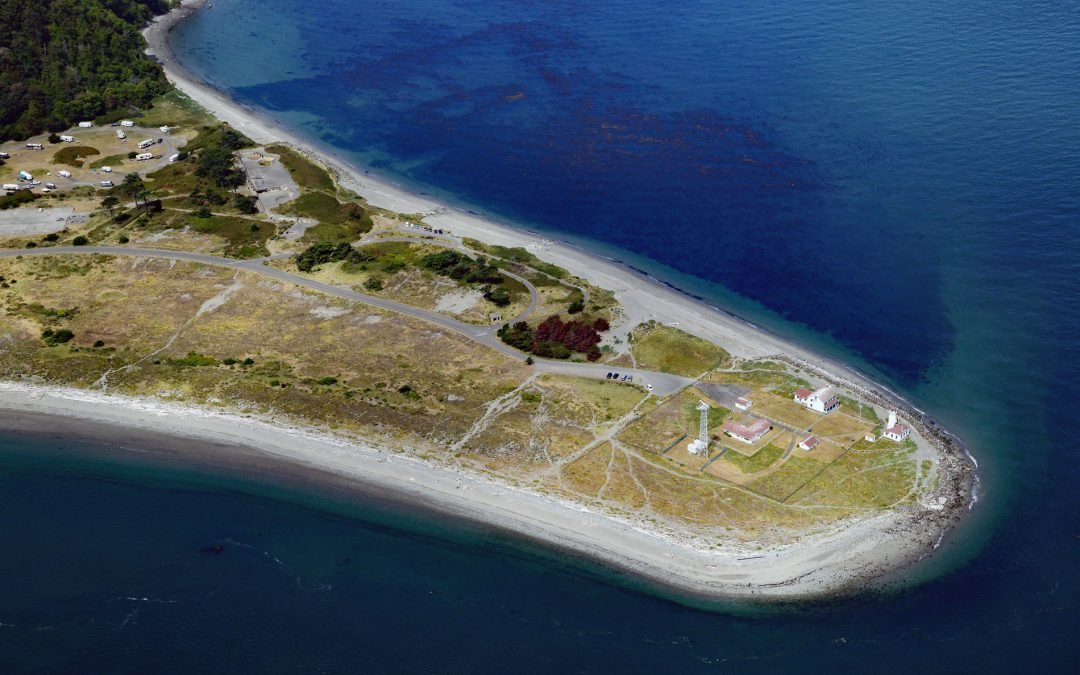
(73, 155)
(670, 350)
(307, 174)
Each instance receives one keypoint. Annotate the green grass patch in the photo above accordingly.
(759, 461)
(244, 238)
(670, 350)
(73, 155)
(111, 160)
(307, 174)
(175, 109)
(787, 478)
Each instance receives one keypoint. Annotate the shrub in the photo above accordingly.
(576, 307)
(601, 325)
(80, 241)
(203, 212)
(123, 239)
(99, 344)
(322, 252)
(59, 337)
(327, 381)
(374, 284)
(52, 236)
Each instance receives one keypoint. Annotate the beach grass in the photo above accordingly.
(670, 350)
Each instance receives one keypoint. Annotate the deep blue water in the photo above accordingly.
(897, 184)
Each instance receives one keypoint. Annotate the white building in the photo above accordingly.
(743, 403)
(894, 431)
(747, 433)
(808, 443)
(823, 400)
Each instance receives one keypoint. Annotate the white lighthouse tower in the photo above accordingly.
(700, 445)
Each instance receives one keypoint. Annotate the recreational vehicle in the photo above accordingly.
(68, 139)
(143, 156)
(126, 123)
(146, 144)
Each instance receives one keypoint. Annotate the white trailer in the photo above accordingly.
(126, 123)
(68, 139)
(85, 125)
(107, 169)
(143, 156)
(163, 130)
(106, 183)
(174, 157)
(34, 146)
(146, 144)
(65, 174)
(120, 134)
(11, 187)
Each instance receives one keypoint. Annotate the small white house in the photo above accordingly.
(67, 139)
(143, 156)
(894, 430)
(126, 123)
(808, 443)
(870, 437)
(85, 125)
(743, 403)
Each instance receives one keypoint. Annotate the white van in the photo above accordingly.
(106, 183)
(107, 169)
(65, 174)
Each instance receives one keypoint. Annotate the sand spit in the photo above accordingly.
(849, 556)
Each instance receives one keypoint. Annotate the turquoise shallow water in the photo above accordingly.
(898, 185)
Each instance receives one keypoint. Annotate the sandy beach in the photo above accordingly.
(848, 557)
(844, 559)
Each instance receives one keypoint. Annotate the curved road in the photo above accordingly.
(663, 383)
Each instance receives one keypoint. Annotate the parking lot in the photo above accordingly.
(34, 221)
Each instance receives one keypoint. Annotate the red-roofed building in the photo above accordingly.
(808, 443)
(895, 431)
(743, 403)
(802, 395)
(747, 433)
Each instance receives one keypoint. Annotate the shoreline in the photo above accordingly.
(845, 559)
(857, 553)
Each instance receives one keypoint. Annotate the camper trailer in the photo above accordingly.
(33, 146)
(85, 125)
(67, 139)
(106, 183)
(120, 134)
(126, 123)
(163, 130)
(25, 175)
(107, 169)
(143, 156)
(65, 174)
(146, 144)
(174, 157)
(11, 187)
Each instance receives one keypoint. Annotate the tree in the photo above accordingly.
(110, 202)
(374, 284)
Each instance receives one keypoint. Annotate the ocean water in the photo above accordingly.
(895, 184)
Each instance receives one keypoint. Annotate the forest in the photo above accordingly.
(65, 61)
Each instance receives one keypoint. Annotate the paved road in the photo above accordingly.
(663, 383)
